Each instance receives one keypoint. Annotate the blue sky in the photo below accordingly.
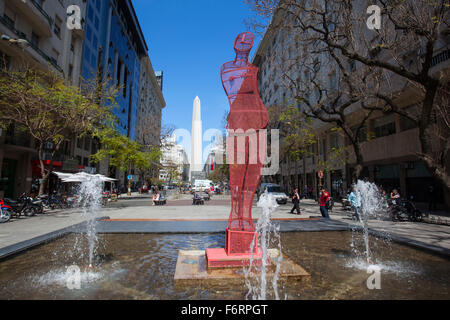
(189, 40)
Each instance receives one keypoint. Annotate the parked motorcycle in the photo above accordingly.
(403, 210)
(22, 206)
(5, 212)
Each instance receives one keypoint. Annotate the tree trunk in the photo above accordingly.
(435, 167)
(41, 162)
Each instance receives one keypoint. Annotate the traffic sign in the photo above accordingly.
(320, 174)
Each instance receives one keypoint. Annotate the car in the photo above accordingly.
(275, 190)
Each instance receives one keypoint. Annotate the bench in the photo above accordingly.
(199, 201)
(160, 202)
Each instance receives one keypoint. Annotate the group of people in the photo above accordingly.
(324, 202)
(355, 198)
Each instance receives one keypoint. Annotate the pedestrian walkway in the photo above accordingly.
(139, 208)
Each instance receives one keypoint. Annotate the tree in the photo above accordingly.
(50, 110)
(400, 55)
(220, 173)
(124, 153)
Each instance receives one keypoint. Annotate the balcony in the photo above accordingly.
(397, 145)
(35, 48)
(34, 12)
(441, 57)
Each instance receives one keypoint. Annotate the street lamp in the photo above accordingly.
(23, 43)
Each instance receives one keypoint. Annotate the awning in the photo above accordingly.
(81, 177)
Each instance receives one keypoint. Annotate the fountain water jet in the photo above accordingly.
(372, 204)
(268, 233)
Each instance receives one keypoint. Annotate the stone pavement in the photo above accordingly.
(137, 213)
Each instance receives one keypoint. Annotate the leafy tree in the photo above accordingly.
(124, 153)
(50, 110)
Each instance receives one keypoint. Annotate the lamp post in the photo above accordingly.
(23, 43)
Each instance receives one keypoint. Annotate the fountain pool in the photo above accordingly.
(141, 266)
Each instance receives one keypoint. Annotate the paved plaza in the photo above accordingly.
(137, 214)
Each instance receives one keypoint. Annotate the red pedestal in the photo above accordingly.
(237, 251)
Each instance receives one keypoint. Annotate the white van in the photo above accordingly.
(275, 190)
(202, 185)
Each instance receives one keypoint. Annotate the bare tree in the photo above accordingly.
(397, 59)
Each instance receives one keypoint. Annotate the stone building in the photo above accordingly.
(46, 44)
(151, 103)
(390, 155)
(174, 162)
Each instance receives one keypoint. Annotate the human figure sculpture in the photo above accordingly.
(247, 117)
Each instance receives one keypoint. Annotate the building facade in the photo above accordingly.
(108, 49)
(390, 155)
(174, 162)
(49, 46)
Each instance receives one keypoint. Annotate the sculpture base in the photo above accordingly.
(239, 242)
(218, 258)
(191, 269)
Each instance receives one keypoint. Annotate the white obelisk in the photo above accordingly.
(196, 139)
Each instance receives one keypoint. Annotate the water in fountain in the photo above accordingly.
(268, 234)
(372, 207)
(90, 200)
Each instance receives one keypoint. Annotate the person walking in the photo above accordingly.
(355, 199)
(296, 202)
(324, 197)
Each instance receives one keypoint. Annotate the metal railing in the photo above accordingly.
(42, 11)
(441, 57)
(22, 35)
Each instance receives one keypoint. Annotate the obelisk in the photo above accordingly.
(196, 142)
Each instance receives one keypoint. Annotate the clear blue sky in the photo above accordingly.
(189, 40)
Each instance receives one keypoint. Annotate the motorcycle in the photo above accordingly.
(403, 210)
(22, 206)
(5, 212)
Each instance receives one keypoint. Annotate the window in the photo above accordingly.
(334, 140)
(118, 71)
(87, 144)
(86, 162)
(79, 144)
(70, 71)
(4, 61)
(333, 80)
(55, 55)
(384, 126)
(9, 17)
(34, 39)
(125, 82)
(57, 27)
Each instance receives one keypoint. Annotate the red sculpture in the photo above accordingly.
(246, 149)
(245, 143)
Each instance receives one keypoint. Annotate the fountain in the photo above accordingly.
(372, 207)
(269, 233)
(90, 201)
